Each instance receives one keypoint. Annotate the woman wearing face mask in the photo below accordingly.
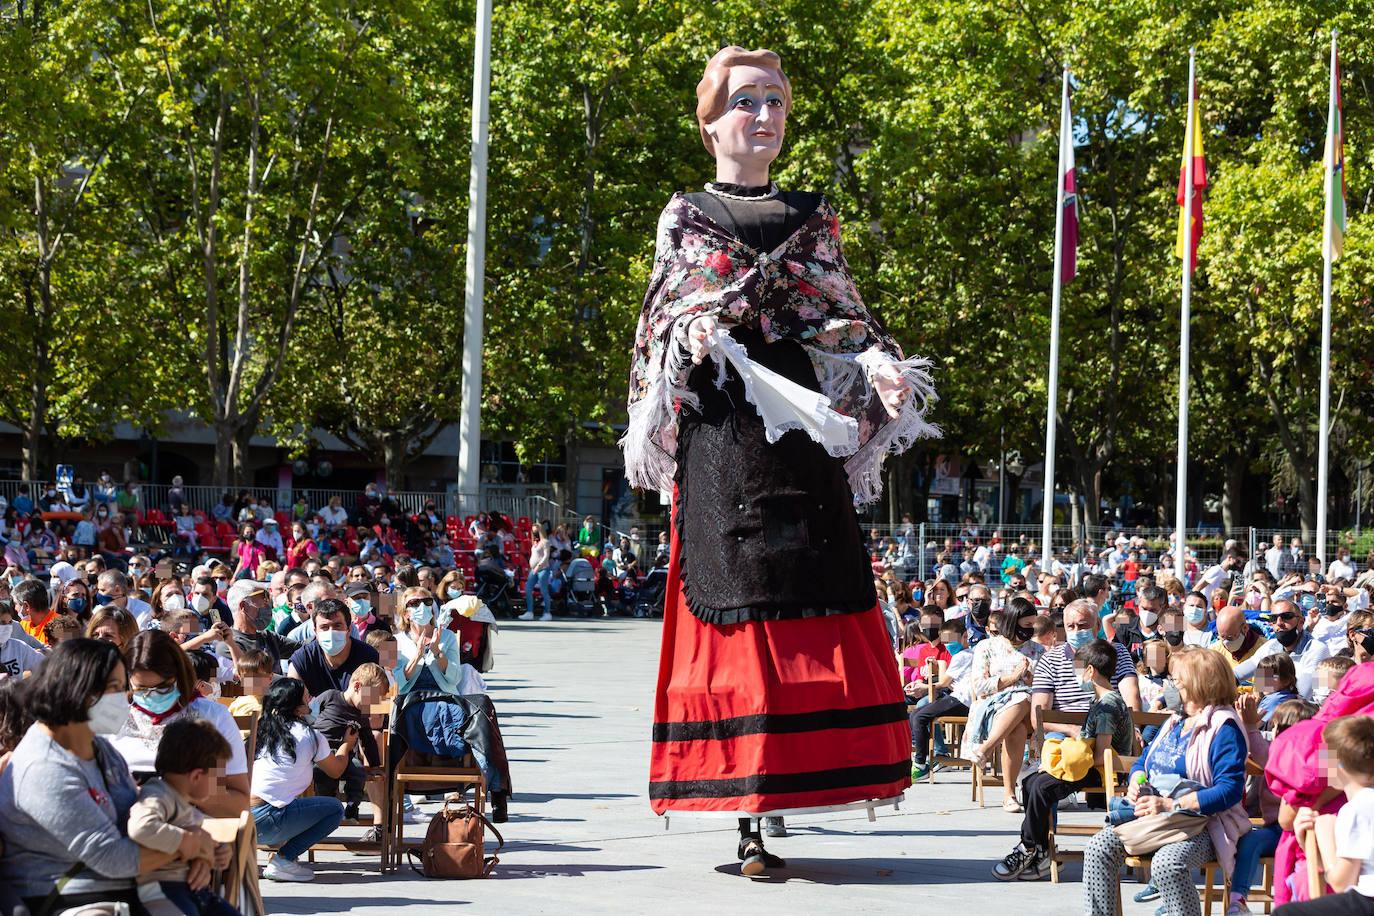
(429, 656)
(361, 598)
(164, 689)
(453, 585)
(540, 558)
(1196, 615)
(75, 599)
(76, 699)
(1002, 668)
(246, 550)
(300, 547)
(167, 595)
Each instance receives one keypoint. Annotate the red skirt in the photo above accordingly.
(775, 715)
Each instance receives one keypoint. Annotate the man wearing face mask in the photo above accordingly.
(318, 590)
(17, 658)
(979, 609)
(1171, 626)
(1290, 637)
(329, 660)
(1327, 620)
(1057, 684)
(1237, 640)
(1197, 631)
(248, 600)
(30, 599)
(113, 588)
(1150, 601)
(361, 598)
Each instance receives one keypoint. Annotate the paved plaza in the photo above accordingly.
(575, 703)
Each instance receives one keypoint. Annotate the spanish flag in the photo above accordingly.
(1334, 161)
(1190, 230)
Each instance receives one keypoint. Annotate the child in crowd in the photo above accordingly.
(165, 818)
(14, 717)
(1107, 725)
(1153, 671)
(1346, 838)
(1276, 680)
(254, 672)
(921, 643)
(338, 710)
(61, 628)
(206, 667)
(1330, 672)
(1260, 801)
(1044, 631)
(384, 641)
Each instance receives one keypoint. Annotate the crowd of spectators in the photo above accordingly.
(106, 657)
(1241, 651)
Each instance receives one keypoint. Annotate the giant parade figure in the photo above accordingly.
(764, 396)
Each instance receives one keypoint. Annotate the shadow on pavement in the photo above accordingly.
(897, 872)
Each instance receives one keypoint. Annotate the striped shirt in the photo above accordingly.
(1055, 674)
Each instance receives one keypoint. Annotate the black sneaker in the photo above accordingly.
(755, 859)
(351, 813)
(1038, 867)
(1010, 868)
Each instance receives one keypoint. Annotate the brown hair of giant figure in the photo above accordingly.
(713, 92)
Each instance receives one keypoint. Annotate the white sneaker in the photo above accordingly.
(528, 615)
(1238, 907)
(546, 617)
(280, 869)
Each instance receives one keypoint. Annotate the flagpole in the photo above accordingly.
(1047, 528)
(1181, 495)
(1324, 424)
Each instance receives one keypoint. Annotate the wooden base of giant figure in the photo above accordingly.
(764, 396)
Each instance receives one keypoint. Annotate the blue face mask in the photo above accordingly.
(332, 641)
(455, 592)
(1194, 614)
(917, 594)
(1307, 601)
(422, 615)
(360, 608)
(1079, 638)
(102, 599)
(954, 647)
(15, 580)
(76, 605)
(157, 700)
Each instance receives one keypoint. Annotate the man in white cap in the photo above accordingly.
(269, 536)
(249, 603)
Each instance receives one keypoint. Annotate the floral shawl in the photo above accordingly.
(801, 291)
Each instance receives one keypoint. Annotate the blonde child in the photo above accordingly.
(254, 672)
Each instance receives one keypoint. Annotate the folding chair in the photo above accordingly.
(237, 883)
(1213, 878)
(1113, 765)
(952, 728)
(410, 773)
(378, 775)
(248, 729)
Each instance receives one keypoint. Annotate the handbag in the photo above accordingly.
(452, 847)
(1144, 835)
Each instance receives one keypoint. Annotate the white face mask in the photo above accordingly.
(174, 602)
(1149, 618)
(200, 603)
(109, 713)
(5, 630)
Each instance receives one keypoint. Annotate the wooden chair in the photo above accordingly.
(1112, 766)
(952, 726)
(377, 774)
(237, 883)
(1316, 884)
(408, 774)
(248, 729)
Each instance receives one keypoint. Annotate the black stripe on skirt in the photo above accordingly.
(776, 724)
(783, 783)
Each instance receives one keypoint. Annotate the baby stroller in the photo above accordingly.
(580, 588)
(493, 583)
(649, 595)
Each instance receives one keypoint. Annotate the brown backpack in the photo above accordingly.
(453, 845)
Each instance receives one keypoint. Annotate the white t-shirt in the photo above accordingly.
(137, 741)
(334, 515)
(1212, 577)
(280, 780)
(16, 657)
(1340, 570)
(1355, 837)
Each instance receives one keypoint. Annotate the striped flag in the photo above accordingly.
(1186, 245)
(1335, 165)
(1068, 259)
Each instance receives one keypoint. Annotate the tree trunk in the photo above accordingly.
(1231, 494)
(394, 460)
(224, 453)
(242, 434)
(1307, 506)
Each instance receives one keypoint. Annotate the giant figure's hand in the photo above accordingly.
(892, 389)
(700, 333)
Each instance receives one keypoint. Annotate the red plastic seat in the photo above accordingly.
(283, 519)
(203, 530)
(224, 530)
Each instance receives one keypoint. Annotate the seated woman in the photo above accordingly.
(77, 697)
(112, 624)
(288, 752)
(429, 656)
(164, 689)
(1207, 746)
(1002, 668)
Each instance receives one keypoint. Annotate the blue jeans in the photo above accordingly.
(540, 578)
(196, 903)
(299, 825)
(1255, 845)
